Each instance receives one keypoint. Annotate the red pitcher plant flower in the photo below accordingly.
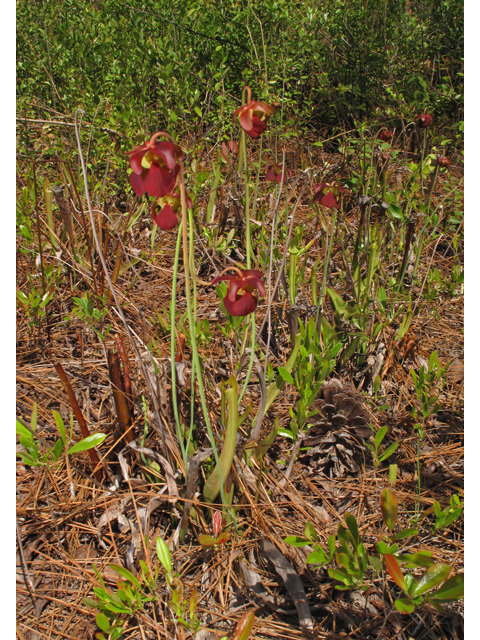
(154, 166)
(423, 120)
(442, 161)
(275, 173)
(167, 218)
(253, 116)
(329, 195)
(386, 135)
(242, 294)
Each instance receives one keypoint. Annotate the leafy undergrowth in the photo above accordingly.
(372, 398)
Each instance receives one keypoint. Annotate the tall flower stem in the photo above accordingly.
(327, 260)
(173, 349)
(193, 333)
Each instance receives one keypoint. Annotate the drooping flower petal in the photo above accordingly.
(166, 218)
(242, 296)
(136, 159)
(159, 181)
(136, 182)
(242, 306)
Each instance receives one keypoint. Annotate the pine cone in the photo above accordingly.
(336, 429)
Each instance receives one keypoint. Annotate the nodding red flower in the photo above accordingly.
(242, 296)
(155, 167)
(275, 173)
(424, 120)
(167, 218)
(386, 135)
(330, 195)
(254, 115)
(442, 161)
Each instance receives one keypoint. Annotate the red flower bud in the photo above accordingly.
(424, 120)
(442, 161)
(386, 135)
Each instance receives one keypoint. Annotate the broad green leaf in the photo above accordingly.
(404, 606)
(60, 425)
(163, 554)
(103, 622)
(23, 431)
(395, 572)
(56, 452)
(344, 561)
(286, 375)
(416, 559)
(389, 507)
(206, 541)
(223, 537)
(392, 473)
(375, 562)
(382, 547)
(341, 575)
(352, 525)
(331, 545)
(310, 532)
(244, 626)
(379, 436)
(296, 541)
(432, 577)
(317, 557)
(451, 590)
(405, 533)
(88, 443)
(391, 449)
(125, 573)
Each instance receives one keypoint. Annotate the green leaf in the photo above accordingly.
(417, 559)
(286, 375)
(452, 589)
(125, 573)
(88, 443)
(163, 554)
(395, 572)
(405, 533)
(317, 557)
(352, 525)
(375, 562)
(23, 431)
(198, 111)
(391, 449)
(60, 426)
(389, 507)
(310, 532)
(296, 541)
(404, 606)
(56, 452)
(392, 473)
(379, 436)
(331, 545)
(244, 626)
(103, 622)
(432, 577)
(396, 211)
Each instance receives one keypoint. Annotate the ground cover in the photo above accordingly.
(388, 347)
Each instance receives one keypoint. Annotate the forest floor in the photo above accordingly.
(63, 533)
